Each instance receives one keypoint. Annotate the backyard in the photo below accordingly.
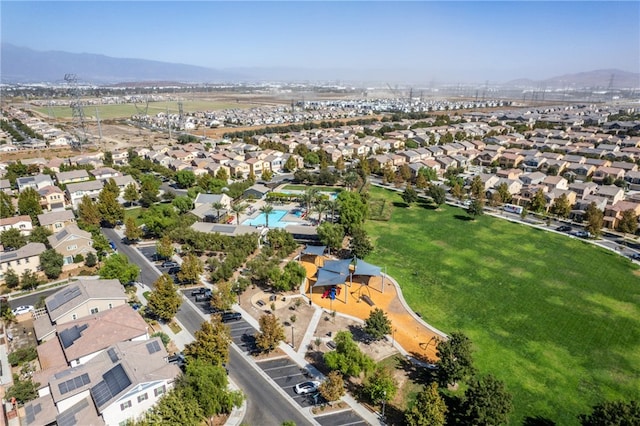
(555, 318)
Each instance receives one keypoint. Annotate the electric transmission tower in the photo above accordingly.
(77, 112)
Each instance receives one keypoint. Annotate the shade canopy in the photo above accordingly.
(325, 278)
(338, 266)
(364, 268)
(314, 250)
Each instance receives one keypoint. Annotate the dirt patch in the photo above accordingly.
(330, 408)
(276, 353)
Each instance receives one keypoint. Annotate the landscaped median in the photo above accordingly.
(553, 317)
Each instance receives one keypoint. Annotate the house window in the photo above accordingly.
(143, 397)
(160, 390)
(58, 225)
(18, 262)
(94, 311)
(74, 316)
(125, 405)
(110, 305)
(26, 260)
(73, 247)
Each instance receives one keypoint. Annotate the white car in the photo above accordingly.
(23, 309)
(306, 387)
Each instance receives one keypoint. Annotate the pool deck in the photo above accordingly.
(289, 218)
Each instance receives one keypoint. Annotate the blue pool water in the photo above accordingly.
(274, 220)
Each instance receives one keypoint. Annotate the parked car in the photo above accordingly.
(169, 264)
(306, 387)
(564, 228)
(24, 309)
(203, 297)
(231, 316)
(634, 256)
(174, 270)
(582, 234)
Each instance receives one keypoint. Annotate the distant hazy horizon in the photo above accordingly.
(391, 41)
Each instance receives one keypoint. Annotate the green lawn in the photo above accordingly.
(556, 318)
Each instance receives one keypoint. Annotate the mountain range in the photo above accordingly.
(24, 65)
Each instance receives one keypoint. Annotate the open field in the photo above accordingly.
(556, 318)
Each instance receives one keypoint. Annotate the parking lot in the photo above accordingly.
(287, 374)
(343, 418)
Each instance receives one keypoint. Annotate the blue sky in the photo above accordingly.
(427, 41)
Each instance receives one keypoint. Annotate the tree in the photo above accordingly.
(561, 206)
(149, 188)
(11, 279)
(88, 211)
(111, 186)
(238, 209)
(211, 344)
(131, 193)
(594, 218)
(164, 247)
(538, 203)
(486, 402)
(267, 175)
(320, 208)
(29, 204)
(164, 300)
(475, 208)
(455, 360)
(437, 194)
(22, 390)
(51, 263)
(117, 266)
(347, 357)
(131, 231)
(217, 206)
(457, 191)
(409, 195)
(185, 178)
(503, 191)
(222, 174)
(13, 238)
(309, 197)
(429, 408)
(29, 280)
(40, 234)
(340, 166)
(6, 205)
(111, 211)
(208, 385)
(291, 277)
(332, 389)
(353, 210)
(223, 297)
(190, 269)
(331, 235)
(267, 210)
(381, 385)
(360, 244)
(614, 413)
(182, 203)
(428, 173)
(290, 165)
(271, 333)
(628, 222)
(177, 408)
(377, 325)
(477, 188)
(90, 260)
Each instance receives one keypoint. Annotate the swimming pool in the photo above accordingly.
(274, 220)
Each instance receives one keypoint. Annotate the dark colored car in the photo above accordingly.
(197, 291)
(231, 316)
(174, 270)
(634, 256)
(564, 228)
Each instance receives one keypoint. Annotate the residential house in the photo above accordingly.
(613, 213)
(239, 169)
(209, 199)
(72, 176)
(510, 160)
(555, 182)
(604, 172)
(5, 186)
(583, 189)
(22, 223)
(79, 299)
(52, 198)
(509, 173)
(36, 182)
(580, 171)
(20, 260)
(611, 193)
(76, 191)
(256, 191)
(54, 221)
(533, 178)
(103, 173)
(71, 242)
(256, 166)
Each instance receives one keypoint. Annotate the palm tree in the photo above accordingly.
(309, 197)
(333, 206)
(238, 209)
(350, 180)
(217, 206)
(320, 208)
(267, 209)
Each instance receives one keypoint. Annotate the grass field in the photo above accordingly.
(108, 112)
(556, 318)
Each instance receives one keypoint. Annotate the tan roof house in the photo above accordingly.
(72, 176)
(56, 220)
(22, 259)
(22, 223)
(70, 242)
(52, 198)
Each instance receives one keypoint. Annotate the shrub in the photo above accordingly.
(22, 355)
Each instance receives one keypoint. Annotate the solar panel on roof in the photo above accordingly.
(62, 234)
(70, 335)
(153, 347)
(113, 355)
(63, 297)
(9, 255)
(31, 411)
(73, 384)
(68, 417)
(114, 381)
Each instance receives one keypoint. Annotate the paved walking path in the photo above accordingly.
(311, 329)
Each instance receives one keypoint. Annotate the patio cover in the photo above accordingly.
(314, 250)
(337, 266)
(325, 278)
(364, 268)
